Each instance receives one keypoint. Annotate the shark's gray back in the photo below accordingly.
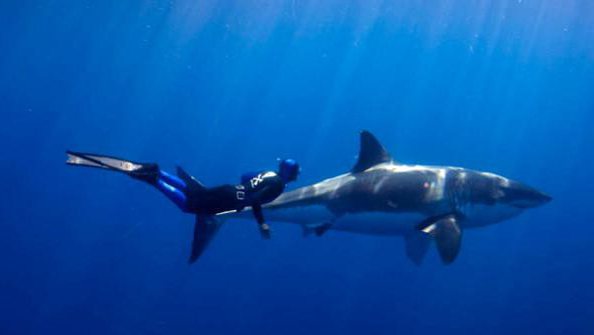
(383, 188)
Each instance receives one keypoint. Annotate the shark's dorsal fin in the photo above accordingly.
(371, 153)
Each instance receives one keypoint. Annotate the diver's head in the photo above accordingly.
(288, 170)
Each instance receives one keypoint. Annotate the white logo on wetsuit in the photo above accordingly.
(240, 194)
(260, 178)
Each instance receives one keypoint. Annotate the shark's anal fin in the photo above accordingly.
(416, 245)
(447, 234)
(371, 153)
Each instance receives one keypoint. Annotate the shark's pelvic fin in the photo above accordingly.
(318, 229)
(416, 245)
(447, 234)
(371, 153)
(323, 228)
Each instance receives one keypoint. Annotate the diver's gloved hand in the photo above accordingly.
(148, 172)
(265, 231)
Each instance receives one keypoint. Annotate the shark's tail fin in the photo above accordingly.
(205, 228)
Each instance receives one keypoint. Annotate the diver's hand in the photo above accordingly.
(265, 231)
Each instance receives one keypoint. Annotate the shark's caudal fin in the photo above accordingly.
(371, 153)
(205, 228)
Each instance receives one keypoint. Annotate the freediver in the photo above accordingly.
(191, 196)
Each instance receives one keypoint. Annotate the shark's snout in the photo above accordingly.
(523, 196)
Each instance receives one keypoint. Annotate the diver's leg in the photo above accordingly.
(173, 193)
(171, 186)
(172, 180)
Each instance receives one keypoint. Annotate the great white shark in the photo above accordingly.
(380, 196)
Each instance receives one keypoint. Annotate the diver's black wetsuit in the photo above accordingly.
(192, 197)
(189, 194)
(254, 191)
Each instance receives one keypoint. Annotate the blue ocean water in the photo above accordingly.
(224, 87)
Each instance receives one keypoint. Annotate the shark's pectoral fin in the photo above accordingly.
(447, 234)
(416, 245)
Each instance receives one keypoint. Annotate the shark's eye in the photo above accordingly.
(504, 183)
(499, 194)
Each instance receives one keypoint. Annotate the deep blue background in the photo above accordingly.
(229, 86)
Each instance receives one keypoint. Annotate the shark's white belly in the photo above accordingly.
(373, 223)
(382, 223)
(483, 215)
(376, 223)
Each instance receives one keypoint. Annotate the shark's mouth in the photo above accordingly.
(530, 203)
(522, 204)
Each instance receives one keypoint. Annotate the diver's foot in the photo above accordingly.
(265, 231)
(148, 172)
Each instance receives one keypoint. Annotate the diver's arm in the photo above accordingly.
(257, 209)
(266, 191)
(264, 227)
